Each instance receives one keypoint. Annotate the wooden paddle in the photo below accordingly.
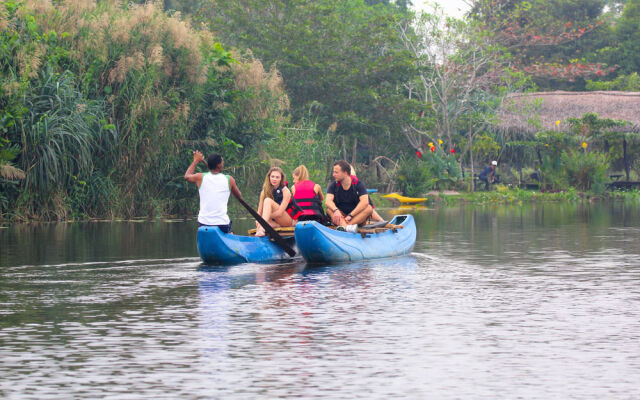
(268, 228)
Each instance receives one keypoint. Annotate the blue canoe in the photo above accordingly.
(321, 245)
(217, 247)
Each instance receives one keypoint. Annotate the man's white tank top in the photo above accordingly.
(214, 195)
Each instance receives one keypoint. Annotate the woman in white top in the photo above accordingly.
(214, 188)
(274, 200)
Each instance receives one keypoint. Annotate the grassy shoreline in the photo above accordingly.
(516, 196)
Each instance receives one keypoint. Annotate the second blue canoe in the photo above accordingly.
(321, 245)
(216, 247)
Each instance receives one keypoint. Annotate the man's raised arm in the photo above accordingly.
(191, 175)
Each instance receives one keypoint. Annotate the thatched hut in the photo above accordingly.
(524, 114)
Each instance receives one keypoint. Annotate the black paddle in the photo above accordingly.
(268, 228)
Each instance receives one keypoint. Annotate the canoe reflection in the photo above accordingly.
(406, 209)
(253, 311)
(214, 278)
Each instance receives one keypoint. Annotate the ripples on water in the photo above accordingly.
(492, 304)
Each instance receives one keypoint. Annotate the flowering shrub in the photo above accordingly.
(435, 169)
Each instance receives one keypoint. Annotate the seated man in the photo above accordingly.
(488, 175)
(347, 199)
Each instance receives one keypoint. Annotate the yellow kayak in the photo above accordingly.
(405, 200)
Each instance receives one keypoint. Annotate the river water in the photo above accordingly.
(499, 302)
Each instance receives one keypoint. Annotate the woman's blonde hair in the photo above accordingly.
(267, 189)
(302, 173)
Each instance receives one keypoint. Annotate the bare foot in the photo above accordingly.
(260, 232)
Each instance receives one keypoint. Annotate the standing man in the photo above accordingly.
(214, 188)
(347, 199)
(488, 175)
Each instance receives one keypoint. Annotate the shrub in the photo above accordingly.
(414, 177)
(585, 171)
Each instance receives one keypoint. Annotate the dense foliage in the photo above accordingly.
(101, 103)
(105, 102)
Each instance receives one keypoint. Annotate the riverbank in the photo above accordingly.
(511, 196)
(444, 198)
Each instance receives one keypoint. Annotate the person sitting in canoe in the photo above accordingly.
(274, 200)
(347, 199)
(307, 198)
(214, 188)
(374, 215)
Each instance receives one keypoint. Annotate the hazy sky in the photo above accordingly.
(454, 8)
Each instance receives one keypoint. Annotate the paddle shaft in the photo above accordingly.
(268, 228)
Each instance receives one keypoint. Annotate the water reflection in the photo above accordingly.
(302, 319)
(535, 301)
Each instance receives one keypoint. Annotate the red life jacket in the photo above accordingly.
(307, 202)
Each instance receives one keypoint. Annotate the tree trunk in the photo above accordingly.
(473, 175)
(344, 148)
(624, 157)
(353, 154)
(519, 167)
(542, 178)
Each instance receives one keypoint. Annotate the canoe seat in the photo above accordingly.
(366, 230)
(283, 231)
(380, 224)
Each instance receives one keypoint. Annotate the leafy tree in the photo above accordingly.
(605, 132)
(627, 33)
(552, 41)
(461, 80)
(342, 61)
(100, 103)
(625, 83)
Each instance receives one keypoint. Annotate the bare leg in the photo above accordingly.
(362, 217)
(268, 208)
(376, 217)
(336, 217)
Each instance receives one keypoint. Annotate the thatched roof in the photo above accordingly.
(528, 113)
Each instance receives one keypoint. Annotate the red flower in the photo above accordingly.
(419, 154)
(433, 149)
(453, 151)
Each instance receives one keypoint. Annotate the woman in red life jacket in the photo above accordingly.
(274, 200)
(307, 197)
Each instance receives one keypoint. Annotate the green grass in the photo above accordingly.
(520, 196)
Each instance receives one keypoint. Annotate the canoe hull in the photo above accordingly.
(405, 200)
(217, 247)
(320, 245)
